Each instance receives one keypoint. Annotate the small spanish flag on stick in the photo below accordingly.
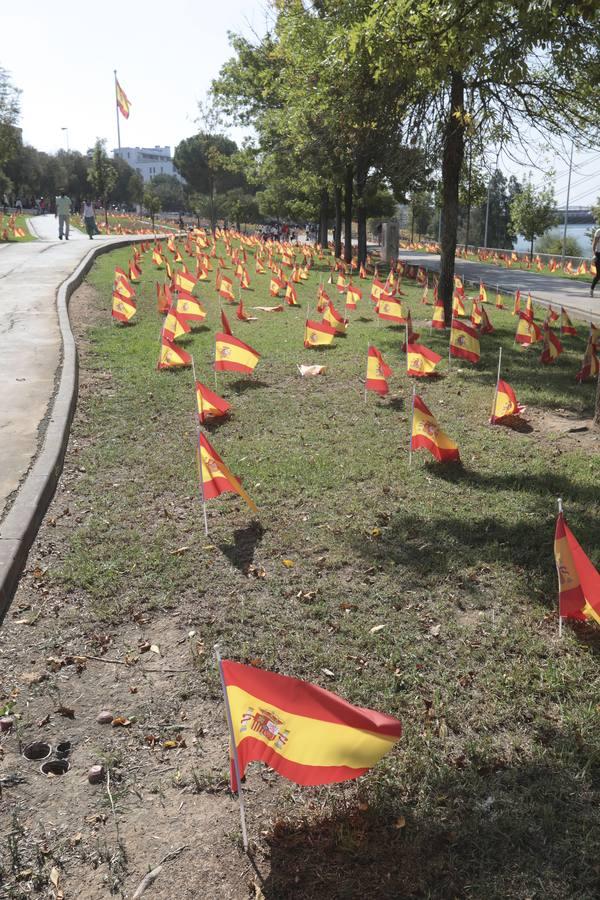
(427, 434)
(171, 356)
(378, 372)
(123, 308)
(216, 477)
(505, 401)
(318, 334)
(420, 361)
(304, 732)
(578, 579)
(233, 355)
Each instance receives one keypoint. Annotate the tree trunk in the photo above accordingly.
(337, 239)
(323, 222)
(531, 250)
(468, 225)
(361, 213)
(348, 192)
(454, 148)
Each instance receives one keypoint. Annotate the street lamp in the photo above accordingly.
(66, 130)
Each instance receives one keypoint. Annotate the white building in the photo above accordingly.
(149, 161)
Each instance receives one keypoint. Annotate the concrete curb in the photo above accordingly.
(21, 524)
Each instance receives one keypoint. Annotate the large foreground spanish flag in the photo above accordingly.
(420, 360)
(216, 477)
(233, 355)
(578, 579)
(304, 732)
(427, 434)
(464, 341)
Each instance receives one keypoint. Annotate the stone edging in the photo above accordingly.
(21, 524)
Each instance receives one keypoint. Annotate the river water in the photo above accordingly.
(579, 232)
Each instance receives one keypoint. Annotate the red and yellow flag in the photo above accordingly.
(161, 298)
(291, 294)
(438, 319)
(210, 405)
(171, 356)
(307, 734)
(390, 309)
(189, 307)
(499, 303)
(226, 289)
(482, 293)
(464, 341)
(123, 308)
(527, 331)
(157, 258)
(122, 283)
(353, 295)
(175, 325)
(122, 101)
(420, 360)
(427, 434)
(185, 280)
(566, 326)
(216, 477)
(332, 317)
(275, 285)
(377, 289)
(578, 580)
(318, 334)
(552, 347)
(517, 304)
(505, 403)
(232, 355)
(378, 372)
(458, 307)
(590, 365)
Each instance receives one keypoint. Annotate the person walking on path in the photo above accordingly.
(63, 211)
(596, 252)
(89, 218)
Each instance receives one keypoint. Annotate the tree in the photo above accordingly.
(151, 203)
(241, 207)
(10, 136)
(532, 212)
(204, 162)
(102, 175)
(170, 191)
(135, 188)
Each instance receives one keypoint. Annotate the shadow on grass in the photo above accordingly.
(245, 541)
(247, 384)
(513, 832)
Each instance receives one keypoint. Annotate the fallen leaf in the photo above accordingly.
(179, 551)
(328, 672)
(55, 879)
(312, 370)
(170, 745)
(288, 563)
(377, 628)
(155, 649)
(375, 532)
(120, 721)
(269, 308)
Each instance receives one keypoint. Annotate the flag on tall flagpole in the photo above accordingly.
(578, 579)
(306, 733)
(122, 100)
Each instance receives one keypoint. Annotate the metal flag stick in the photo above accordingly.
(412, 422)
(199, 448)
(560, 509)
(234, 753)
(117, 109)
(367, 378)
(497, 384)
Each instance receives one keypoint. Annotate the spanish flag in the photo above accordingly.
(172, 356)
(322, 299)
(175, 325)
(259, 268)
(482, 293)
(317, 334)
(458, 307)
(499, 303)
(420, 360)
(187, 306)
(578, 579)
(122, 101)
(161, 298)
(566, 326)
(225, 323)
(529, 306)
(134, 271)
(185, 280)
(590, 365)
(245, 279)
(232, 355)
(333, 318)
(241, 313)
(464, 341)
(353, 294)
(210, 405)
(390, 309)
(527, 331)
(216, 477)
(377, 289)
(517, 304)
(291, 295)
(225, 288)
(485, 326)
(275, 285)
(377, 372)
(427, 434)
(123, 308)
(411, 335)
(122, 283)
(552, 347)
(476, 313)
(505, 403)
(438, 319)
(362, 272)
(157, 259)
(306, 733)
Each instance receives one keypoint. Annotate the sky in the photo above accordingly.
(62, 56)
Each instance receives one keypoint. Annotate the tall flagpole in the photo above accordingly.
(117, 109)
(560, 509)
(234, 753)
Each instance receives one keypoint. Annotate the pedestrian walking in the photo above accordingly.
(63, 211)
(18, 205)
(596, 252)
(89, 217)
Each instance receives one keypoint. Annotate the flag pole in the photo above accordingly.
(497, 385)
(560, 509)
(412, 421)
(117, 109)
(368, 348)
(199, 449)
(234, 752)
(406, 341)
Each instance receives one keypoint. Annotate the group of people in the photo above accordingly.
(63, 213)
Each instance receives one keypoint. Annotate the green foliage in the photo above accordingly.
(552, 242)
(152, 202)
(205, 161)
(10, 137)
(533, 211)
(170, 191)
(102, 174)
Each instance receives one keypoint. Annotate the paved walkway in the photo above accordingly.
(30, 340)
(546, 289)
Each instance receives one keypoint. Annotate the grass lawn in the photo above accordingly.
(17, 222)
(493, 790)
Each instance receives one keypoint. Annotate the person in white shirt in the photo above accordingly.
(63, 211)
(596, 252)
(89, 217)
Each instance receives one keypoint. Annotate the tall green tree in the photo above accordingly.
(532, 212)
(170, 190)
(204, 161)
(102, 175)
(10, 137)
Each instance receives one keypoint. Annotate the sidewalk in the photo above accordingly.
(545, 289)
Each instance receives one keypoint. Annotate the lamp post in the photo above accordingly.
(66, 130)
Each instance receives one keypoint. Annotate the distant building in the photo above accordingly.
(149, 161)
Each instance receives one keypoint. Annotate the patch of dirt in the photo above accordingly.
(569, 431)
